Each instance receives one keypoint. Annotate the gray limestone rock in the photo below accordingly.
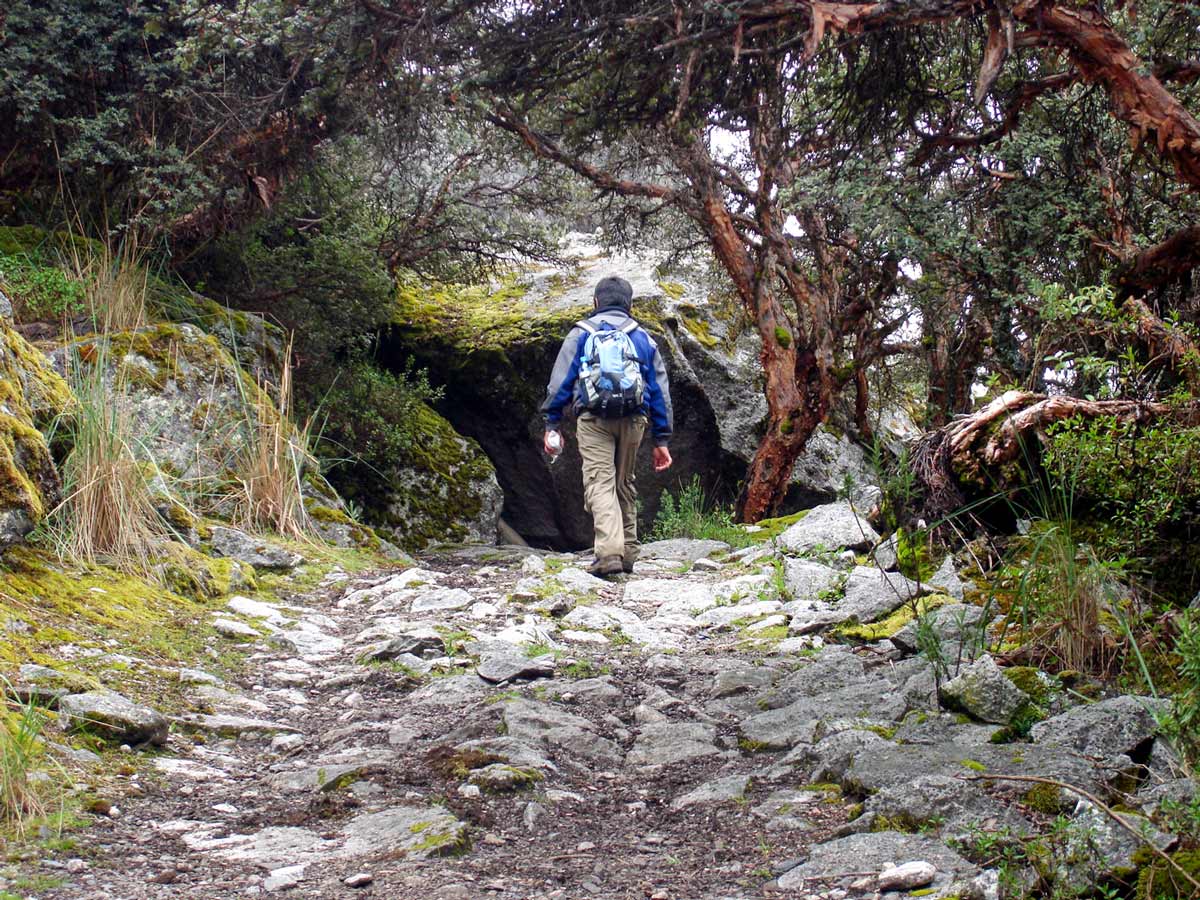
(872, 594)
(982, 691)
(829, 527)
(950, 805)
(670, 596)
(252, 550)
(808, 580)
(500, 667)
(6, 310)
(946, 579)
(719, 790)
(961, 631)
(857, 853)
(404, 831)
(1106, 730)
(806, 720)
(663, 743)
(682, 549)
(732, 682)
(544, 724)
(231, 726)
(504, 778)
(1097, 847)
(884, 554)
(441, 599)
(114, 717)
(331, 774)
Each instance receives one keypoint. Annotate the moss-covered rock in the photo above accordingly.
(192, 407)
(492, 349)
(31, 397)
(443, 488)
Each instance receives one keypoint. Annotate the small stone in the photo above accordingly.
(232, 628)
(584, 846)
(75, 866)
(907, 877)
(227, 808)
(285, 878)
(286, 743)
(166, 876)
(531, 814)
(358, 879)
(469, 791)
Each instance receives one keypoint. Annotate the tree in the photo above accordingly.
(819, 294)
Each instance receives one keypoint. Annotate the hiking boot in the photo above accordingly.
(606, 565)
(627, 561)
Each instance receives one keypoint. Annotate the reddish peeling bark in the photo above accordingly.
(1166, 262)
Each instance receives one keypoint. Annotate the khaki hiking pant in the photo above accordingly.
(609, 449)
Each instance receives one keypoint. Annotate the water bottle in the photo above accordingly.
(554, 442)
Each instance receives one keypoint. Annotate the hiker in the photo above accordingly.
(611, 372)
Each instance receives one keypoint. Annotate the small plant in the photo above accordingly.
(691, 514)
(1182, 724)
(21, 752)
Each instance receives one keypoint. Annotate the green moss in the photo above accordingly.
(1162, 882)
(1033, 682)
(903, 823)
(974, 765)
(672, 289)
(1044, 798)
(326, 514)
(769, 529)
(748, 746)
(443, 495)
(783, 337)
(891, 624)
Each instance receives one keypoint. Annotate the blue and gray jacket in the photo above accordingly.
(564, 388)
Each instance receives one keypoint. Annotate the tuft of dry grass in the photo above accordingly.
(275, 458)
(108, 512)
(115, 280)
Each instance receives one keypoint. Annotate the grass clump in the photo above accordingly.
(691, 514)
(108, 512)
(274, 462)
(21, 754)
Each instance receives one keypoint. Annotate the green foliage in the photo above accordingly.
(371, 421)
(311, 264)
(690, 514)
(38, 288)
(21, 756)
(1182, 723)
(1141, 483)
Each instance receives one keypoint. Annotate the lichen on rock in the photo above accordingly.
(31, 397)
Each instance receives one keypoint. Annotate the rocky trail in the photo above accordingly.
(497, 723)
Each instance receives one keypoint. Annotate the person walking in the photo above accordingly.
(612, 376)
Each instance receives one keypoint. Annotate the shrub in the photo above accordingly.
(369, 422)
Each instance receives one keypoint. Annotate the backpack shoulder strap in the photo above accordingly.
(630, 327)
(587, 325)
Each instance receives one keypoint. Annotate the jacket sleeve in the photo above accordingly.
(658, 399)
(561, 388)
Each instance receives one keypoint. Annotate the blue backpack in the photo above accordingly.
(610, 374)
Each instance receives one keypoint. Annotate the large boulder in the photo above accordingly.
(442, 488)
(492, 351)
(31, 397)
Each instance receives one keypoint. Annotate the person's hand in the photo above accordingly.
(662, 459)
(550, 450)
